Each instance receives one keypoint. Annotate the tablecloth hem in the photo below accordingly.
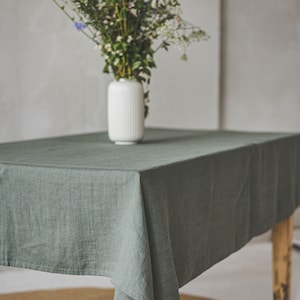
(45, 268)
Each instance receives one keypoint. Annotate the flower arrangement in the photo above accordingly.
(129, 32)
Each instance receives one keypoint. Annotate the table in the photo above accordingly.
(151, 216)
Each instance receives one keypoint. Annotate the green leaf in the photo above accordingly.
(147, 71)
(141, 79)
(136, 65)
(146, 95)
(106, 69)
(115, 46)
(146, 111)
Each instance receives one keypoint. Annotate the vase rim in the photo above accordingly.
(126, 79)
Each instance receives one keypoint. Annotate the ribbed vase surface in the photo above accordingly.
(125, 112)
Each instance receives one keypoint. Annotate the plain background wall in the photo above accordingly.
(51, 80)
(261, 65)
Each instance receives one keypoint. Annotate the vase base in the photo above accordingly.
(125, 143)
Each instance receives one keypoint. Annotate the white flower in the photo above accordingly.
(130, 5)
(100, 5)
(116, 61)
(133, 11)
(107, 47)
(119, 38)
(153, 3)
(119, 52)
(129, 39)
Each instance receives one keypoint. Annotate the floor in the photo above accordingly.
(244, 275)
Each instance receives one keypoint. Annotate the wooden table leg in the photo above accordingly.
(282, 235)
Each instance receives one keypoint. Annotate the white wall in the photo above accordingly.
(261, 65)
(51, 80)
(186, 94)
(50, 76)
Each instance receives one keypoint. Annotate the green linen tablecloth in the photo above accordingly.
(151, 216)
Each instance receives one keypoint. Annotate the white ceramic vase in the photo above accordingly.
(125, 112)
